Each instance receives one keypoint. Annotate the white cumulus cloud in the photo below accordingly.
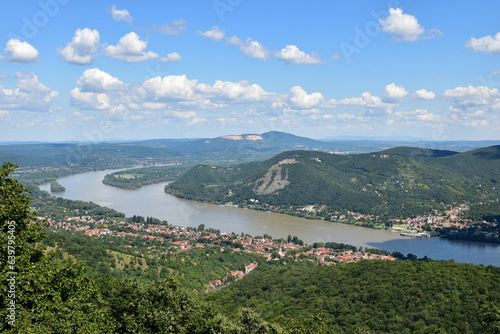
(394, 93)
(29, 94)
(471, 92)
(197, 120)
(235, 92)
(178, 91)
(299, 99)
(367, 100)
(472, 103)
(418, 115)
(89, 100)
(97, 81)
(216, 34)
(168, 88)
(486, 44)
(20, 52)
(82, 48)
(254, 49)
(121, 15)
(147, 105)
(424, 115)
(423, 94)
(291, 54)
(250, 47)
(405, 27)
(179, 114)
(171, 57)
(115, 112)
(99, 90)
(131, 49)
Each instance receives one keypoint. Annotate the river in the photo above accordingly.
(154, 202)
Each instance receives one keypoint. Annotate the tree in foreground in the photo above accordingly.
(159, 307)
(491, 319)
(37, 295)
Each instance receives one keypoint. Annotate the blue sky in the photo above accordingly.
(103, 70)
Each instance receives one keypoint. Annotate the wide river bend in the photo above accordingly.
(154, 202)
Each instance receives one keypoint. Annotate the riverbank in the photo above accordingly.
(152, 201)
(446, 225)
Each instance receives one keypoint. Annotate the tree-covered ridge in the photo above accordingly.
(55, 187)
(399, 182)
(138, 177)
(55, 208)
(370, 296)
(488, 211)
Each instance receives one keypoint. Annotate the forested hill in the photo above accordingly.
(370, 297)
(397, 182)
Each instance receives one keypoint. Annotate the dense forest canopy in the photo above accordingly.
(371, 296)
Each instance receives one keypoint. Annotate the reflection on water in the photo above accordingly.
(444, 249)
(154, 202)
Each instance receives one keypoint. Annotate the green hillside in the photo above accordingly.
(55, 187)
(146, 260)
(369, 296)
(397, 182)
(137, 177)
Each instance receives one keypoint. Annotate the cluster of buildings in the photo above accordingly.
(73, 223)
(185, 238)
(22, 170)
(452, 218)
(234, 275)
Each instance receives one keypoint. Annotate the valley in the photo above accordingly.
(249, 167)
(125, 225)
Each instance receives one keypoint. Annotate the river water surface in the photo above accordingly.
(154, 202)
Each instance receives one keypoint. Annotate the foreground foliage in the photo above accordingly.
(46, 298)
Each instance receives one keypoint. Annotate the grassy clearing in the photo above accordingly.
(121, 259)
(128, 176)
(53, 249)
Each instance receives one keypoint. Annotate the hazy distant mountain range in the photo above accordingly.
(225, 150)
